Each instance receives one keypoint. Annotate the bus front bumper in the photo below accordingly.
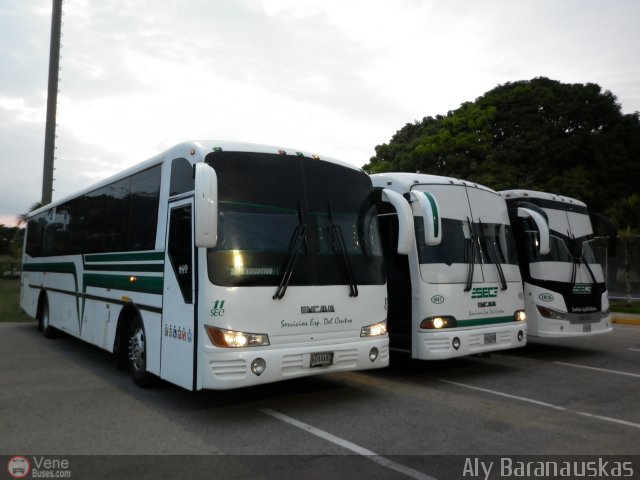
(227, 369)
(459, 342)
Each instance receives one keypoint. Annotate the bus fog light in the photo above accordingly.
(520, 316)
(456, 343)
(520, 335)
(373, 354)
(258, 366)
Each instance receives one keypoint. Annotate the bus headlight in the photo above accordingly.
(234, 339)
(374, 330)
(438, 322)
(520, 316)
(551, 313)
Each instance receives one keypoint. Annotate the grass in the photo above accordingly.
(10, 302)
(622, 307)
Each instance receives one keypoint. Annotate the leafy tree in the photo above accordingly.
(541, 134)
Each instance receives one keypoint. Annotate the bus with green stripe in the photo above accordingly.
(217, 265)
(458, 292)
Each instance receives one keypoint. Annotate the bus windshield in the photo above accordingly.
(264, 199)
(566, 248)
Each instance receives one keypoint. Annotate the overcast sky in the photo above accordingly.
(336, 77)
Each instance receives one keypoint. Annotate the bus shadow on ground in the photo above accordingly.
(163, 395)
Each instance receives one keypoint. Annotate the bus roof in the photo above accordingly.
(402, 182)
(195, 151)
(520, 194)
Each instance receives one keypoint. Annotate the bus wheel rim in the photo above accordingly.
(137, 349)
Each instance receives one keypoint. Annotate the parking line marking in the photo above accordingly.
(374, 457)
(617, 372)
(544, 404)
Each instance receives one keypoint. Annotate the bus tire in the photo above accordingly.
(44, 318)
(137, 354)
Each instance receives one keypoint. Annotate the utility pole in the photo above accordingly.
(52, 102)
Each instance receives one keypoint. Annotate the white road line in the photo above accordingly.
(617, 372)
(634, 349)
(374, 457)
(544, 404)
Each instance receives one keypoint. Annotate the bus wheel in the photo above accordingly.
(43, 320)
(138, 355)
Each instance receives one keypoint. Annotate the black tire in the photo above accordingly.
(137, 355)
(44, 320)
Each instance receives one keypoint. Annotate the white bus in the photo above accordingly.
(217, 265)
(564, 285)
(459, 290)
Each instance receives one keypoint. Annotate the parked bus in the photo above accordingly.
(217, 265)
(459, 290)
(564, 286)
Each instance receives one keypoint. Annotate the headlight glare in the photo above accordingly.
(374, 330)
(438, 322)
(221, 337)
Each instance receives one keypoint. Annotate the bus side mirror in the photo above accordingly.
(542, 225)
(405, 220)
(206, 206)
(430, 213)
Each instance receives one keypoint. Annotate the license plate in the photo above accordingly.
(489, 338)
(321, 359)
(586, 328)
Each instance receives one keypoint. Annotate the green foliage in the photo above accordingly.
(10, 302)
(540, 134)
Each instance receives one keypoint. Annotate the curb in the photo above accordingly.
(625, 319)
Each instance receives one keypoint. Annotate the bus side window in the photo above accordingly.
(181, 177)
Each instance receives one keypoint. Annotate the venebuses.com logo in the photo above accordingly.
(19, 466)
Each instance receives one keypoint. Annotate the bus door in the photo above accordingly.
(178, 320)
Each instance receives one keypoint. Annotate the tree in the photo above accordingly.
(540, 134)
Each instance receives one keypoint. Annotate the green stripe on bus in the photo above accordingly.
(485, 321)
(52, 267)
(124, 257)
(127, 267)
(123, 282)
(434, 210)
(57, 267)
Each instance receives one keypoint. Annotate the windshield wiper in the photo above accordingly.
(576, 254)
(471, 255)
(299, 236)
(340, 250)
(493, 256)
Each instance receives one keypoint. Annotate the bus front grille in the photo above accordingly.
(229, 369)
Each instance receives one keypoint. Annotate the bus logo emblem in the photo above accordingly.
(437, 299)
(581, 288)
(484, 292)
(218, 308)
(546, 297)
